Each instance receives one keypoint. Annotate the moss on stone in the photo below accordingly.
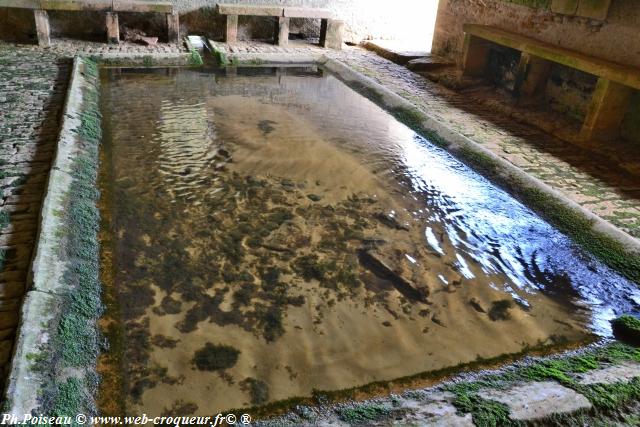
(626, 328)
(75, 341)
(195, 59)
(363, 414)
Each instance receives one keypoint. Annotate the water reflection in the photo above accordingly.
(273, 232)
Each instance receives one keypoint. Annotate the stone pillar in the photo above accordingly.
(332, 35)
(232, 29)
(323, 31)
(609, 104)
(42, 27)
(283, 31)
(531, 76)
(173, 27)
(475, 55)
(113, 28)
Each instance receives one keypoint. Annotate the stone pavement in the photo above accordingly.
(33, 83)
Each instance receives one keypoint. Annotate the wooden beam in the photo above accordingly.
(142, 6)
(42, 27)
(609, 104)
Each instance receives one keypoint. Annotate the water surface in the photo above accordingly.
(269, 232)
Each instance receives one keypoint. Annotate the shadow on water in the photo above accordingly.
(270, 232)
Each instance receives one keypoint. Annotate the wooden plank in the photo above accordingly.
(622, 74)
(235, 9)
(142, 6)
(307, 12)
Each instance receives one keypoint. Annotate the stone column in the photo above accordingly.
(173, 27)
(283, 31)
(42, 27)
(475, 54)
(609, 104)
(531, 76)
(113, 28)
(333, 34)
(232, 29)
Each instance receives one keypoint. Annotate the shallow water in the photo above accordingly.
(268, 232)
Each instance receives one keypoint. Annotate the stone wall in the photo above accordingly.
(615, 39)
(364, 19)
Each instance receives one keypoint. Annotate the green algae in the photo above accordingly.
(214, 357)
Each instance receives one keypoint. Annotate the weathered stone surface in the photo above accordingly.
(331, 34)
(537, 400)
(427, 63)
(435, 410)
(624, 372)
(255, 10)
(307, 12)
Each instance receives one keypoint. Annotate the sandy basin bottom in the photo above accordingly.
(263, 240)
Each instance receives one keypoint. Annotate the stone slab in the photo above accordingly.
(25, 379)
(618, 73)
(396, 51)
(307, 12)
(428, 63)
(537, 400)
(76, 5)
(234, 9)
(142, 6)
(623, 372)
(436, 409)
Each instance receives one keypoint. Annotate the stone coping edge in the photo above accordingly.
(44, 301)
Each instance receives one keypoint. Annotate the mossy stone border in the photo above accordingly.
(54, 364)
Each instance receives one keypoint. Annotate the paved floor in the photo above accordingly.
(32, 87)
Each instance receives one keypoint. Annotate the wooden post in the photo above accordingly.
(475, 55)
(42, 27)
(283, 33)
(232, 29)
(113, 28)
(609, 104)
(332, 34)
(173, 27)
(531, 76)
